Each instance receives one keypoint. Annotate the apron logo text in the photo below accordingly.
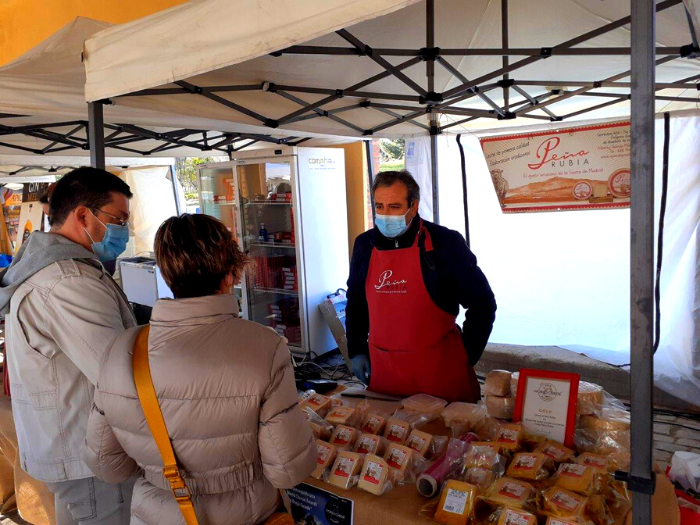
(386, 285)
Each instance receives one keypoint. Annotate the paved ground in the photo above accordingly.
(673, 434)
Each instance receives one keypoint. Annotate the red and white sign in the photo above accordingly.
(575, 168)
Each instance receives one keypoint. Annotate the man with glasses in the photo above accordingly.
(63, 311)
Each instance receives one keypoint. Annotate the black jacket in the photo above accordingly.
(451, 276)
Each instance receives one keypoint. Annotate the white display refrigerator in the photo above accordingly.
(287, 208)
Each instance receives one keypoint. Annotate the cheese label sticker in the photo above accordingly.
(374, 472)
(508, 435)
(343, 436)
(416, 443)
(339, 412)
(372, 424)
(396, 458)
(366, 445)
(515, 518)
(525, 462)
(344, 468)
(564, 501)
(322, 453)
(455, 502)
(574, 471)
(512, 490)
(592, 461)
(396, 433)
(554, 453)
(316, 400)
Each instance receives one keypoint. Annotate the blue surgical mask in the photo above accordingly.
(113, 243)
(392, 226)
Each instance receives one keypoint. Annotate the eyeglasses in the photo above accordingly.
(120, 221)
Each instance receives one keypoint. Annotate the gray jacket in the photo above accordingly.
(65, 310)
(226, 390)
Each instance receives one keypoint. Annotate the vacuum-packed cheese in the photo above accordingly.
(498, 383)
(480, 477)
(321, 431)
(318, 403)
(346, 467)
(325, 456)
(342, 416)
(563, 503)
(344, 437)
(607, 419)
(562, 521)
(500, 407)
(555, 451)
(481, 454)
(398, 457)
(397, 431)
(510, 492)
(528, 465)
(596, 461)
(590, 398)
(372, 424)
(369, 444)
(516, 517)
(509, 436)
(456, 503)
(576, 478)
(420, 442)
(375, 472)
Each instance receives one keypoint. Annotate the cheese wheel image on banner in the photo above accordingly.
(325, 456)
(346, 467)
(374, 475)
(516, 517)
(498, 383)
(456, 503)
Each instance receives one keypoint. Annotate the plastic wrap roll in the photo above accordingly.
(429, 483)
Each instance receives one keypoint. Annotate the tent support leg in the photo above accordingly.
(641, 477)
(96, 135)
(173, 179)
(434, 131)
(370, 174)
(506, 62)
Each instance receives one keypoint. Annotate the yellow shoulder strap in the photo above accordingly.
(154, 418)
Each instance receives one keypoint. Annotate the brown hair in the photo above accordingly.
(195, 253)
(388, 178)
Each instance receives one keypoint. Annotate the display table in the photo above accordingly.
(403, 503)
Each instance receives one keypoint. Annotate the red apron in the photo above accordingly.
(414, 346)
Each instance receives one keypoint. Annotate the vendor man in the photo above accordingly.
(408, 278)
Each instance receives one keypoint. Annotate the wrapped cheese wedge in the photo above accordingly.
(482, 455)
(511, 493)
(606, 419)
(345, 470)
(342, 415)
(399, 458)
(318, 403)
(529, 465)
(500, 407)
(562, 503)
(510, 436)
(456, 504)
(420, 442)
(480, 477)
(516, 517)
(590, 398)
(344, 437)
(374, 476)
(577, 478)
(370, 444)
(596, 461)
(498, 383)
(325, 456)
(555, 451)
(397, 431)
(373, 423)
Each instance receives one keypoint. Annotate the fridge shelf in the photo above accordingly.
(266, 203)
(271, 245)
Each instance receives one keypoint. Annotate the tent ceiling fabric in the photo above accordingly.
(199, 36)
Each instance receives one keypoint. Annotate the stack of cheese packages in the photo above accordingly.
(371, 449)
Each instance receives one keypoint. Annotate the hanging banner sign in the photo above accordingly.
(569, 169)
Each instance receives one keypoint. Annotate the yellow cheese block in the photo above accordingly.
(555, 451)
(498, 383)
(480, 477)
(342, 416)
(528, 465)
(374, 476)
(510, 492)
(320, 431)
(399, 458)
(420, 442)
(369, 444)
(456, 504)
(516, 517)
(590, 398)
(596, 461)
(576, 478)
(372, 424)
(607, 419)
(346, 467)
(510, 436)
(318, 403)
(397, 431)
(481, 454)
(500, 407)
(563, 503)
(344, 437)
(325, 456)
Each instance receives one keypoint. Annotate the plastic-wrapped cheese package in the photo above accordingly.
(563, 503)
(480, 477)
(514, 384)
(373, 423)
(468, 417)
(419, 442)
(606, 419)
(344, 437)
(456, 504)
(578, 478)
(399, 459)
(597, 511)
(596, 461)
(532, 466)
(305, 395)
(425, 404)
(510, 436)
(498, 383)
(397, 431)
(342, 415)
(500, 407)
(562, 521)
(555, 451)
(482, 454)
(318, 403)
(374, 477)
(516, 517)
(345, 470)
(321, 428)
(370, 444)
(590, 398)
(613, 444)
(325, 456)
(510, 492)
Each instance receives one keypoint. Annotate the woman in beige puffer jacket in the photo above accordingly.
(225, 387)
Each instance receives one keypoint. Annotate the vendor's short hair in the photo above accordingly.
(195, 253)
(90, 187)
(389, 178)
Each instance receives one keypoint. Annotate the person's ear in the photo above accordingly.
(81, 213)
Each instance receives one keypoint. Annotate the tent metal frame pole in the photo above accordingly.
(430, 44)
(504, 43)
(434, 132)
(173, 179)
(370, 175)
(96, 134)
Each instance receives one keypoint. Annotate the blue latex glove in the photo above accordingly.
(361, 368)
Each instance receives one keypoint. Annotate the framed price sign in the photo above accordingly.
(546, 404)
